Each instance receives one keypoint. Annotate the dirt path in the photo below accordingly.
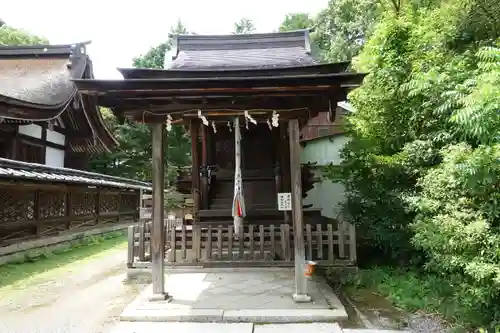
(86, 296)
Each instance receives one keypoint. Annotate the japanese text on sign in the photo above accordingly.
(284, 201)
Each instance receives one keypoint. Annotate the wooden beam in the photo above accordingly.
(44, 143)
(195, 165)
(157, 232)
(300, 295)
(285, 166)
(40, 142)
(204, 165)
(222, 101)
(229, 102)
(14, 145)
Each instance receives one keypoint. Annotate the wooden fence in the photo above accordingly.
(258, 245)
(30, 210)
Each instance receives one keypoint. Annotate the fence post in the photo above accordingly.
(352, 243)
(142, 247)
(131, 246)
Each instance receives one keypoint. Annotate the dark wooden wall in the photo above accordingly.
(321, 126)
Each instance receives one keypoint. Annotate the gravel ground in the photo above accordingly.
(427, 324)
(85, 297)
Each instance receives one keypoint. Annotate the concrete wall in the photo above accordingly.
(325, 195)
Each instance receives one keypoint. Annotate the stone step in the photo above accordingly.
(180, 327)
(371, 330)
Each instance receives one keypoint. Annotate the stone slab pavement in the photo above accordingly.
(164, 327)
(254, 297)
(149, 327)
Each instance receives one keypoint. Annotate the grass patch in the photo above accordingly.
(43, 260)
(411, 291)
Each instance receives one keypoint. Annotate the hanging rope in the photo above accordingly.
(275, 113)
(238, 210)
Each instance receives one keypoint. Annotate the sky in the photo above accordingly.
(122, 29)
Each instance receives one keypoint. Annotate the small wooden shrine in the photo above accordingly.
(243, 99)
(47, 134)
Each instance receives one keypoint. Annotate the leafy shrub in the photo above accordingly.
(458, 226)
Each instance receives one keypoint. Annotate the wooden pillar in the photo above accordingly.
(285, 167)
(204, 167)
(97, 204)
(157, 230)
(300, 295)
(277, 160)
(195, 165)
(44, 147)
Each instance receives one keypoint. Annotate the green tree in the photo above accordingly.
(421, 171)
(296, 21)
(244, 26)
(132, 158)
(12, 36)
(344, 27)
(155, 57)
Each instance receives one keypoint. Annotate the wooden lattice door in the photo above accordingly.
(224, 149)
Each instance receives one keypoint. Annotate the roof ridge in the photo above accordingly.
(19, 165)
(43, 49)
(242, 36)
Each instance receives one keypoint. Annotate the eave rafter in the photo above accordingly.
(219, 97)
(218, 109)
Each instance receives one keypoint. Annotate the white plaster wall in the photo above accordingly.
(325, 195)
(56, 137)
(324, 151)
(54, 157)
(35, 131)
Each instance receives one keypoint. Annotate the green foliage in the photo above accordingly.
(410, 290)
(344, 26)
(421, 172)
(458, 226)
(155, 57)
(12, 36)
(296, 21)
(478, 99)
(31, 263)
(132, 157)
(244, 26)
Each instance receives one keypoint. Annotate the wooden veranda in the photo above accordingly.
(266, 90)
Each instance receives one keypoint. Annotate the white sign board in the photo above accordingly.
(284, 201)
(146, 213)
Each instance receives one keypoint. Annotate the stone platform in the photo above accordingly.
(261, 296)
(148, 327)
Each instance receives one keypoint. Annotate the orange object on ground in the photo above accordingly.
(310, 267)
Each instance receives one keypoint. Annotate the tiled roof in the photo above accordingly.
(36, 85)
(40, 76)
(245, 51)
(243, 59)
(15, 170)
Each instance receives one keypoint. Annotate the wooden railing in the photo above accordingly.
(258, 245)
